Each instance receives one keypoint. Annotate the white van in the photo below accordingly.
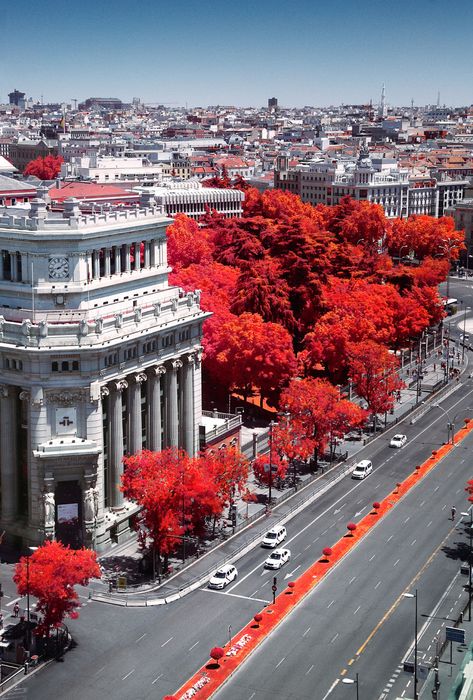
(362, 469)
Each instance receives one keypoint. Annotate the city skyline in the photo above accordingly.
(239, 55)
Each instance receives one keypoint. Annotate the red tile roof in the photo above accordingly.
(91, 191)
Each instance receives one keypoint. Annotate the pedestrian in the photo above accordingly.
(435, 367)
(454, 510)
(1, 621)
(16, 610)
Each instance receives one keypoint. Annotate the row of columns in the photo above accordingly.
(154, 377)
(17, 265)
(9, 457)
(121, 255)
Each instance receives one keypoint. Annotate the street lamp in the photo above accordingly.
(470, 535)
(28, 631)
(467, 308)
(271, 426)
(414, 595)
(451, 423)
(350, 681)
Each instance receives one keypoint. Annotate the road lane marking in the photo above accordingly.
(306, 632)
(407, 519)
(351, 580)
(331, 689)
(429, 523)
(334, 637)
(299, 554)
(393, 607)
(378, 584)
(128, 674)
(389, 538)
(252, 696)
(100, 670)
(157, 679)
(357, 610)
(422, 503)
(396, 562)
(254, 593)
(15, 600)
(140, 638)
(413, 542)
(167, 642)
(330, 604)
(309, 670)
(193, 646)
(371, 558)
(280, 662)
(234, 595)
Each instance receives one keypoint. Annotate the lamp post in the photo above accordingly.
(451, 423)
(350, 681)
(467, 308)
(470, 536)
(400, 251)
(414, 595)
(271, 426)
(28, 631)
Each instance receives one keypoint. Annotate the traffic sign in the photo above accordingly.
(454, 634)
(274, 588)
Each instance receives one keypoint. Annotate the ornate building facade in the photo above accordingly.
(100, 358)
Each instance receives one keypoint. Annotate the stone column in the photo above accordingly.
(25, 273)
(154, 408)
(1, 265)
(96, 263)
(154, 252)
(8, 452)
(172, 403)
(127, 258)
(187, 402)
(147, 254)
(118, 259)
(135, 427)
(108, 269)
(116, 442)
(13, 267)
(137, 255)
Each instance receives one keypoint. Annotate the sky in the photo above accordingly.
(304, 52)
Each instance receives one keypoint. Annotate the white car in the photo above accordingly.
(398, 441)
(223, 576)
(275, 536)
(362, 469)
(277, 559)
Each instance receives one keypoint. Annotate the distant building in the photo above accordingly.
(21, 153)
(105, 102)
(195, 200)
(462, 213)
(376, 180)
(17, 98)
(14, 192)
(273, 103)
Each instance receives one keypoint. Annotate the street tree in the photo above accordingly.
(50, 575)
(47, 168)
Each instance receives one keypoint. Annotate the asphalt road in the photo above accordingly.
(146, 653)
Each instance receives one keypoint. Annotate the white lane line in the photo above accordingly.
(422, 504)
(157, 679)
(429, 523)
(15, 600)
(330, 604)
(371, 558)
(100, 670)
(299, 553)
(332, 687)
(193, 646)
(308, 547)
(334, 638)
(140, 638)
(458, 491)
(351, 580)
(407, 519)
(317, 538)
(436, 488)
(167, 642)
(357, 610)
(280, 662)
(235, 595)
(378, 584)
(413, 542)
(309, 670)
(389, 538)
(444, 507)
(254, 593)
(396, 562)
(252, 696)
(128, 674)
(306, 632)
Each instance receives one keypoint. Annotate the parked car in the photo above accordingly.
(277, 559)
(398, 440)
(275, 536)
(362, 469)
(223, 576)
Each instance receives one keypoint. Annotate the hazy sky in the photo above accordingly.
(305, 52)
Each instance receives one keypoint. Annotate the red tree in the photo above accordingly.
(47, 168)
(54, 570)
(373, 370)
(187, 243)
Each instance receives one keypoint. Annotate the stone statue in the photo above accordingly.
(99, 325)
(91, 503)
(49, 508)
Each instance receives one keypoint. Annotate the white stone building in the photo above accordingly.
(192, 198)
(100, 358)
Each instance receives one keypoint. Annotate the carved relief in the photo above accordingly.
(67, 398)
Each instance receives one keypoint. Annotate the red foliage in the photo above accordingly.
(351, 527)
(261, 469)
(216, 653)
(54, 570)
(426, 236)
(47, 168)
(187, 243)
(373, 370)
(376, 505)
